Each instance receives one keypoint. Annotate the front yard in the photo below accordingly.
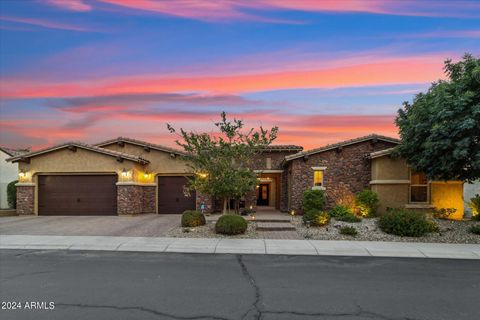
(450, 231)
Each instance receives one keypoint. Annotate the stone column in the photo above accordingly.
(25, 198)
(129, 198)
(206, 199)
(149, 197)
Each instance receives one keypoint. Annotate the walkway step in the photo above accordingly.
(274, 226)
(273, 220)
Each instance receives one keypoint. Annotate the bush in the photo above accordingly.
(339, 211)
(231, 224)
(367, 203)
(475, 229)
(347, 230)
(444, 213)
(191, 218)
(433, 227)
(316, 218)
(313, 200)
(12, 194)
(474, 205)
(349, 218)
(404, 223)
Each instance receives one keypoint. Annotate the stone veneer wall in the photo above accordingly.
(131, 200)
(348, 172)
(204, 198)
(149, 198)
(25, 199)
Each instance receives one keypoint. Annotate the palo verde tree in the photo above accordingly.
(440, 130)
(222, 161)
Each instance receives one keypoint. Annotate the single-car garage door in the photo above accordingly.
(171, 198)
(77, 195)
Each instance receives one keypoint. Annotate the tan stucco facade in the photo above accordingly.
(391, 181)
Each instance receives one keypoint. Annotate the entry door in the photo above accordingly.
(263, 194)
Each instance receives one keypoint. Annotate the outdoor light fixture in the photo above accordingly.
(292, 212)
(21, 174)
(124, 172)
(146, 174)
(203, 175)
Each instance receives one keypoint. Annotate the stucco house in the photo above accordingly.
(8, 172)
(128, 176)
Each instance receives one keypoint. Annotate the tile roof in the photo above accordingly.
(82, 146)
(342, 144)
(14, 152)
(381, 153)
(283, 147)
(140, 143)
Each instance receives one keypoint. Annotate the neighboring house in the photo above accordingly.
(469, 191)
(398, 186)
(8, 172)
(127, 176)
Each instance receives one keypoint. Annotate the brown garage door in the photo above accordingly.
(171, 199)
(77, 195)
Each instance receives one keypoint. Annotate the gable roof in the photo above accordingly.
(14, 152)
(342, 144)
(116, 154)
(140, 143)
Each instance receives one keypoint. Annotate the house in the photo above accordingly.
(8, 172)
(398, 186)
(128, 176)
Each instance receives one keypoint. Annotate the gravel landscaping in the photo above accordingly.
(449, 232)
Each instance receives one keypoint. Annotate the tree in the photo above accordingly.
(221, 161)
(440, 130)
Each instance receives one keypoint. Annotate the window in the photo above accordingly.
(418, 187)
(318, 178)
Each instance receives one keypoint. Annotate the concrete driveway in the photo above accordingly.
(148, 225)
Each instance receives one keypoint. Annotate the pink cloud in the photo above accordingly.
(394, 71)
(43, 23)
(232, 9)
(73, 5)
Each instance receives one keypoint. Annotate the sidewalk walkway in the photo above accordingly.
(243, 246)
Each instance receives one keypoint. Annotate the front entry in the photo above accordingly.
(263, 195)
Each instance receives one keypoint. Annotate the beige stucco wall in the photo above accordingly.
(385, 168)
(81, 161)
(448, 195)
(161, 162)
(390, 180)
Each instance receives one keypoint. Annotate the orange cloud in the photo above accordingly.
(394, 71)
(74, 5)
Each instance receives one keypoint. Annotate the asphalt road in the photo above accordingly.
(121, 285)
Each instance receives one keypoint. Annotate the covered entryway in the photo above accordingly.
(171, 197)
(77, 195)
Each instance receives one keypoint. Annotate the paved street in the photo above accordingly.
(123, 285)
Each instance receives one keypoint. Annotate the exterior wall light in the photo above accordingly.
(124, 172)
(203, 175)
(21, 174)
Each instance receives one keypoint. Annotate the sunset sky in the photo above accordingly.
(323, 71)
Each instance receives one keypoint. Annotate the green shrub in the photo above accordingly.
(349, 218)
(367, 203)
(12, 194)
(475, 229)
(231, 224)
(404, 223)
(474, 205)
(191, 218)
(444, 213)
(347, 230)
(313, 200)
(316, 218)
(433, 227)
(339, 211)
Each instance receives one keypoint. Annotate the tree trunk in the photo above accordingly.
(224, 205)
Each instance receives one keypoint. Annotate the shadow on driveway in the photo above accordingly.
(147, 225)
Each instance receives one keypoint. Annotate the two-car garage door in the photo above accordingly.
(93, 195)
(77, 195)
